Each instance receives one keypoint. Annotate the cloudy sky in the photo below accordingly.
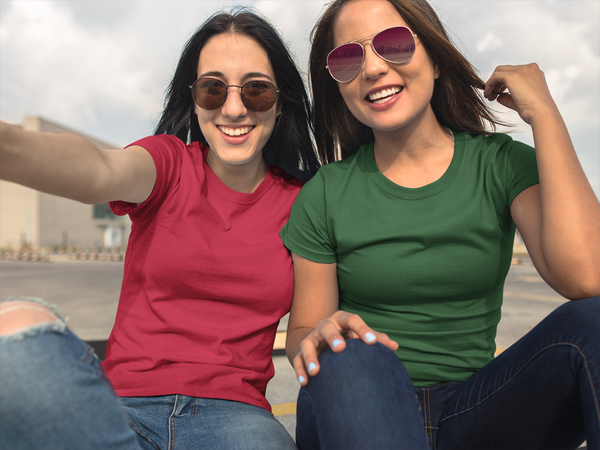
(101, 67)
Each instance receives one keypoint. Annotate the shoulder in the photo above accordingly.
(497, 149)
(337, 170)
(492, 143)
(168, 149)
(166, 142)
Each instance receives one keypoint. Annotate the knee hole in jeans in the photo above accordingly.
(16, 317)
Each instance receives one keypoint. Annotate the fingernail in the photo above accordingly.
(370, 336)
(336, 343)
(311, 367)
(301, 379)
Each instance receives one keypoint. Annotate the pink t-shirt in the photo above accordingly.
(206, 281)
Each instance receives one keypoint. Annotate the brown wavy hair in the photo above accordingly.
(456, 101)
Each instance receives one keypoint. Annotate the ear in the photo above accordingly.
(436, 71)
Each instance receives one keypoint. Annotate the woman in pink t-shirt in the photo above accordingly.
(207, 277)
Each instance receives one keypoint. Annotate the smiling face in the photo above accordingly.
(384, 96)
(234, 134)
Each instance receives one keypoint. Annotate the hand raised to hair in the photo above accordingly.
(522, 89)
(332, 332)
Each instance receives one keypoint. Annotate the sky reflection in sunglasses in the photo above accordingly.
(211, 93)
(395, 45)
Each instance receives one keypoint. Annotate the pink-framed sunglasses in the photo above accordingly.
(395, 45)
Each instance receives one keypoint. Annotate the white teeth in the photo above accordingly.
(376, 96)
(235, 131)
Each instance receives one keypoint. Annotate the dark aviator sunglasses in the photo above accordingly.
(211, 93)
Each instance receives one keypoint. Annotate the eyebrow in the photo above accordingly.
(247, 76)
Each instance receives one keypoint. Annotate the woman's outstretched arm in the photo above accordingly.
(71, 166)
(315, 322)
(559, 219)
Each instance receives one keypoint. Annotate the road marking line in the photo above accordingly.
(284, 409)
(529, 278)
(279, 340)
(546, 298)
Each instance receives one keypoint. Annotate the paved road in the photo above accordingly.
(88, 291)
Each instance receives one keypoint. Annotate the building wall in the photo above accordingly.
(28, 217)
(19, 215)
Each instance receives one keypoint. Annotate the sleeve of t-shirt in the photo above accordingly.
(517, 168)
(306, 232)
(166, 152)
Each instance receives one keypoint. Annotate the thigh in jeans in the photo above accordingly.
(542, 392)
(53, 393)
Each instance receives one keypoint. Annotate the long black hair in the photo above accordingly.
(290, 146)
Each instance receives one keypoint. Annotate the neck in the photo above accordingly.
(417, 137)
(415, 155)
(241, 178)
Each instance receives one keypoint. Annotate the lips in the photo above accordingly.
(384, 95)
(234, 132)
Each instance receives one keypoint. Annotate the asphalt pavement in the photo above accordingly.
(88, 291)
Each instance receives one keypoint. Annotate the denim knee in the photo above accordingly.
(59, 325)
(361, 398)
(358, 357)
(360, 367)
(577, 322)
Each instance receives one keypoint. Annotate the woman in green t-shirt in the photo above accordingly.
(403, 242)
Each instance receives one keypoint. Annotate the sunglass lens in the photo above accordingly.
(395, 44)
(209, 93)
(259, 96)
(344, 62)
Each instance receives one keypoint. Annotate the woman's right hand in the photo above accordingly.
(332, 332)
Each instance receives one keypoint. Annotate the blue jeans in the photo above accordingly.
(54, 395)
(542, 392)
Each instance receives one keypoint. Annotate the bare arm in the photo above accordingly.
(71, 166)
(315, 322)
(559, 219)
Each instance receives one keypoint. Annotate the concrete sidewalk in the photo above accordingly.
(88, 292)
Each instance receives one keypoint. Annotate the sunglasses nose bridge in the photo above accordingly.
(372, 61)
(232, 107)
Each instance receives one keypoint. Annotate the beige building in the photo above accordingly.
(32, 218)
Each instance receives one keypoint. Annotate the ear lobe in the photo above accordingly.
(436, 71)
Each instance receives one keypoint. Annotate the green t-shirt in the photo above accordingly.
(425, 265)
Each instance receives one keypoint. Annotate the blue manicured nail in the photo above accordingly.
(336, 343)
(301, 379)
(370, 337)
(311, 367)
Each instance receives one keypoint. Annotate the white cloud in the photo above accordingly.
(488, 43)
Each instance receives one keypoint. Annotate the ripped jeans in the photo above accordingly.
(54, 395)
(541, 393)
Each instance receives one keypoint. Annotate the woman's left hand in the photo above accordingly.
(522, 89)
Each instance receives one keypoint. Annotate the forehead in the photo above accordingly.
(234, 55)
(361, 18)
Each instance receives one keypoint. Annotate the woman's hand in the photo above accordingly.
(528, 92)
(333, 332)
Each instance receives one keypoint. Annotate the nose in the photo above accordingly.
(233, 106)
(373, 66)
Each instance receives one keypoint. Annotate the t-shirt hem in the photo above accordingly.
(161, 392)
(521, 187)
(311, 256)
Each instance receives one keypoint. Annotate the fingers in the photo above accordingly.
(333, 332)
(521, 88)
